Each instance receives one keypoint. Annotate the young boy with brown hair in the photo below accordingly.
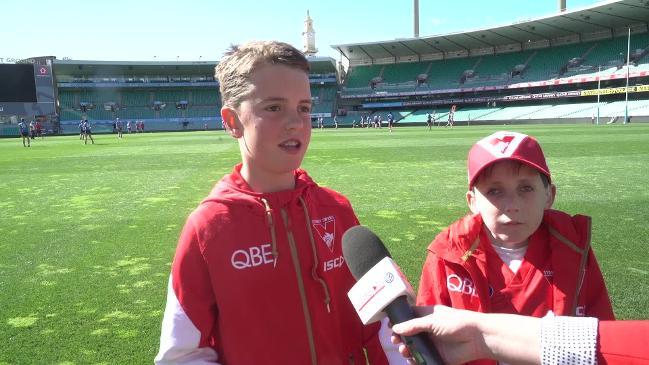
(513, 254)
(259, 276)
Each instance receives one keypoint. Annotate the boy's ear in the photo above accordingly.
(552, 193)
(231, 121)
(471, 202)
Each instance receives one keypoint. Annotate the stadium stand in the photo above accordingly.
(153, 92)
(549, 69)
(500, 69)
(360, 77)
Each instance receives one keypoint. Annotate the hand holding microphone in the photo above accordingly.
(382, 289)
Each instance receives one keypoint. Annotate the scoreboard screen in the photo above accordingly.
(26, 89)
(18, 84)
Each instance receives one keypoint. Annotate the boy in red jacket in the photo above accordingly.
(514, 254)
(258, 276)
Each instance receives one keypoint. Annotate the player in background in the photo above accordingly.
(390, 121)
(451, 116)
(119, 126)
(24, 132)
(81, 130)
(87, 132)
(39, 129)
(32, 130)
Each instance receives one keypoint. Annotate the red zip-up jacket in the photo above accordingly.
(559, 272)
(261, 279)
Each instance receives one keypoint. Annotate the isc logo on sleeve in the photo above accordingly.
(333, 263)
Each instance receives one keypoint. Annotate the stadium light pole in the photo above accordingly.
(416, 18)
(628, 59)
(599, 84)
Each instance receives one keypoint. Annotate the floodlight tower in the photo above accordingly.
(416, 20)
(562, 5)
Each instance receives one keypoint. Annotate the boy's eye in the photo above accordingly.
(273, 108)
(305, 109)
(527, 188)
(493, 191)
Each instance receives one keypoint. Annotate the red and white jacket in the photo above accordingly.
(261, 279)
(623, 343)
(559, 272)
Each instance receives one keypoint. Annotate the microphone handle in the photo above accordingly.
(420, 346)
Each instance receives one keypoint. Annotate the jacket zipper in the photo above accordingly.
(300, 283)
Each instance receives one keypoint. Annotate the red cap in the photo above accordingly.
(502, 146)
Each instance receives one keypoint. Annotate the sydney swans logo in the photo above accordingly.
(326, 228)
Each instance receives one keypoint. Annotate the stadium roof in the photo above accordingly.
(84, 67)
(322, 65)
(605, 16)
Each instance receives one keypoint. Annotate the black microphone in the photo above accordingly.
(362, 250)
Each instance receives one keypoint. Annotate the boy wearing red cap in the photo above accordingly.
(513, 254)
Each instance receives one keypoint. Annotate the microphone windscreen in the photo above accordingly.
(362, 250)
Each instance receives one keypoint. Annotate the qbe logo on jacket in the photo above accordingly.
(252, 257)
(456, 284)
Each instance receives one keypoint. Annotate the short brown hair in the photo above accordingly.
(240, 61)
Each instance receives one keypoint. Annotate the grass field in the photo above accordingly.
(87, 233)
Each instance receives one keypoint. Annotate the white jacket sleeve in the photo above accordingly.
(179, 337)
(391, 350)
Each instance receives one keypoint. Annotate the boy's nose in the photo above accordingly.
(295, 121)
(512, 203)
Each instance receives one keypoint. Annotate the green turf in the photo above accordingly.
(87, 233)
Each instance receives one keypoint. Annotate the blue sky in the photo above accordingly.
(191, 30)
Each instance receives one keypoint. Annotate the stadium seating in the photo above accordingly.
(403, 72)
(541, 64)
(563, 110)
(513, 112)
(139, 113)
(170, 97)
(471, 113)
(615, 109)
(71, 115)
(205, 97)
(491, 70)
(323, 98)
(203, 111)
(136, 98)
(360, 77)
(67, 99)
(445, 74)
